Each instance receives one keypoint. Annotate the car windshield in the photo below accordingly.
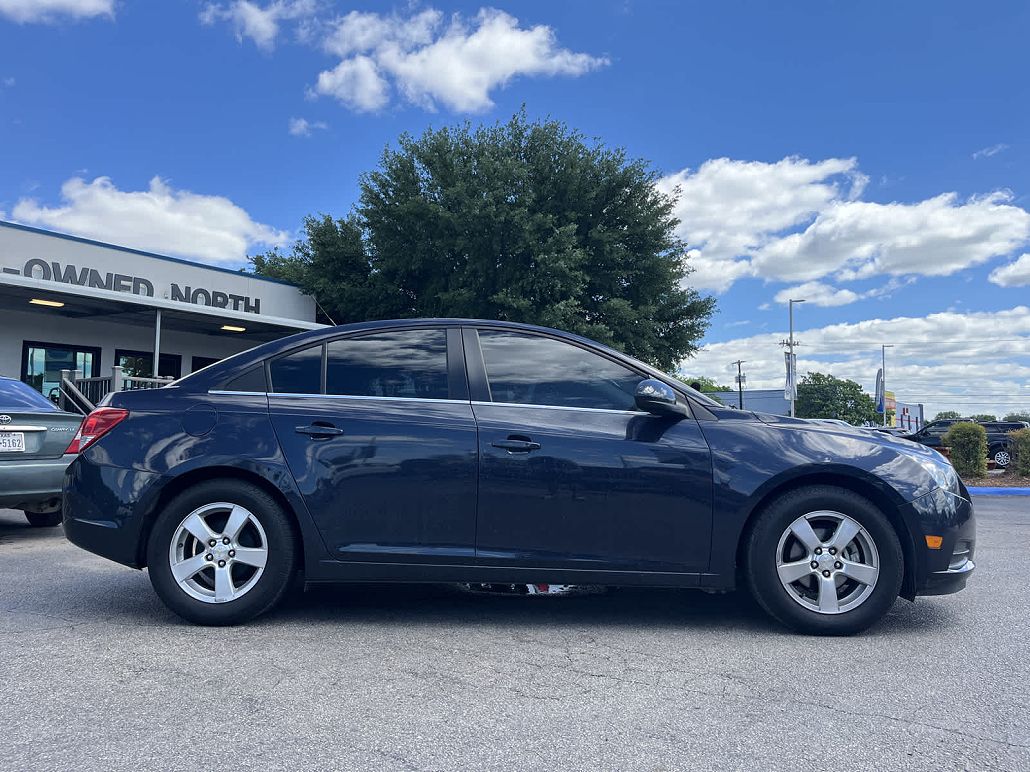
(15, 395)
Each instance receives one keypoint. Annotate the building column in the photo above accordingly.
(157, 343)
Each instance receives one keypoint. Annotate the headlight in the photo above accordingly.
(941, 472)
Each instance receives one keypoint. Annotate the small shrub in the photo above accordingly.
(968, 443)
(1019, 448)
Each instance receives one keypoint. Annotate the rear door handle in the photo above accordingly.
(319, 430)
(516, 446)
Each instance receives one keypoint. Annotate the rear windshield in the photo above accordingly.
(15, 395)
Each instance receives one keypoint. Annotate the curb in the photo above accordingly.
(999, 491)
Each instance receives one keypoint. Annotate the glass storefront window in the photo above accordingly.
(43, 363)
(140, 364)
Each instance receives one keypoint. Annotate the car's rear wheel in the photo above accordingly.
(221, 553)
(1001, 457)
(43, 519)
(824, 560)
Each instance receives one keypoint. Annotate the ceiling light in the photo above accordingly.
(233, 328)
(49, 303)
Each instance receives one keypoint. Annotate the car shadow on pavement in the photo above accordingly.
(403, 605)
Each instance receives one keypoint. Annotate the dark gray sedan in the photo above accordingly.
(34, 438)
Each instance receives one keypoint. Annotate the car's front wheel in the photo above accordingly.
(824, 560)
(1001, 456)
(221, 552)
(43, 519)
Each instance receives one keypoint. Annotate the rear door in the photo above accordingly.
(572, 475)
(378, 432)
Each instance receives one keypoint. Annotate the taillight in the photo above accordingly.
(97, 424)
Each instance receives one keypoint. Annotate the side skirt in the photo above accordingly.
(346, 571)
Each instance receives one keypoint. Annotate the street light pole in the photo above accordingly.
(740, 384)
(883, 380)
(790, 350)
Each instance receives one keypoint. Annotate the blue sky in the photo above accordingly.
(870, 157)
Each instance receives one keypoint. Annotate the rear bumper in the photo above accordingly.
(950, 517)
(102, 506)
(33, 484)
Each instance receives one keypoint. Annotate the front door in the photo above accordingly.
(380, 437)
(571, 474)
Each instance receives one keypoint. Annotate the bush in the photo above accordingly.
(968, 444)
(1019, 447)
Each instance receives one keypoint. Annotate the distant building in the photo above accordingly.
(759, 400)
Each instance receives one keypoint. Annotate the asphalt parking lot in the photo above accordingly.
(96, 674)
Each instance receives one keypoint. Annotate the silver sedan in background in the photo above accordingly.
(34, 438)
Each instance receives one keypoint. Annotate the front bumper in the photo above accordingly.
(948, 515)
(33, 484)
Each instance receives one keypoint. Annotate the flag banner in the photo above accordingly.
(880, 397)
(790, 386)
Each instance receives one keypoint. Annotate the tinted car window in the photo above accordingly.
(405, 363)
(533, 370)
(299, 372)
(15, 395)
(251, 380)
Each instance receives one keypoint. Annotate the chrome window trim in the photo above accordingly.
(237, 393)
(561, 407)
(368, 398)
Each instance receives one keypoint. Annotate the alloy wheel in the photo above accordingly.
(827, 562)
(218, 552)
(1002, 458)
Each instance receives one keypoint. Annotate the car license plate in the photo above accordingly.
(12, 442)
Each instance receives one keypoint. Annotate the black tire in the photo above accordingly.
(43, 519)
(760, 553)
(271, 585)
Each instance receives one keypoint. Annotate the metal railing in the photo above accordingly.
(79, 394)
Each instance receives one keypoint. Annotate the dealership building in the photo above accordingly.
(75, 304)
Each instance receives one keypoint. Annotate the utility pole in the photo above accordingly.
(790, 343)
(740, 383)
(883, 369)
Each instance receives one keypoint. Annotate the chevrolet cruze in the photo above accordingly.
(449, 450)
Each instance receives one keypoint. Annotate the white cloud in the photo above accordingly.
(818, 294)
(302, 127)
(357, 83)
(935, 237)
(423, 57)
(9, 82)
(53, 11)
(207, 228)
(1015, 274)
(987, 152)
(431, 62)
(258, 23)
(970, 362)
(800, 221)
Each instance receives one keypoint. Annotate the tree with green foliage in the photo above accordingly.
(824, 396)
(984, 417)
(522, 221)
(945, 414)
(1017, 417)
(708, 385)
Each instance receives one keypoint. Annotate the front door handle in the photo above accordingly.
(516, 446)
(319, 430)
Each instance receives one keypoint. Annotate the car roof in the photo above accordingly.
(239, 363)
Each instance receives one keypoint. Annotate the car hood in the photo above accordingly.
(871, 435)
